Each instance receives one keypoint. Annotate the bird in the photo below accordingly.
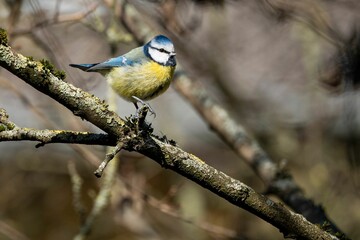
(141, 74)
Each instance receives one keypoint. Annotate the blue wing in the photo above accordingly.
(109, 64)
(134, 56)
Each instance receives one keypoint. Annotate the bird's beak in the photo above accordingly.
(173, 54)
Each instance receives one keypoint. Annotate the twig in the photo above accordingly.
(47, 136)
(108, 158)
(48, 123)
(57, 19)
(140, 126)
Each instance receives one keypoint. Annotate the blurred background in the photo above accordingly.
(288, 71)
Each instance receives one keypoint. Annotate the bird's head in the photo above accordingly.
(161, 50)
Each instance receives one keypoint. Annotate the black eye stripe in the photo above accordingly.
(160, 49)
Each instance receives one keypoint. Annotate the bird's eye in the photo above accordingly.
(162, 50)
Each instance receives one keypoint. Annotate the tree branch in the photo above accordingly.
(276, 180)
(95, 111)
(56, 136)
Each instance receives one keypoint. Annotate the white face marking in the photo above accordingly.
(161, 52)
(160, 57)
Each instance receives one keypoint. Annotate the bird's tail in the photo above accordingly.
(84, 67)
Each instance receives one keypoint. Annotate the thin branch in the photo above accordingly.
(47, 136)
(58, 19)
(48, 123)
(108, 158)
(95, 111)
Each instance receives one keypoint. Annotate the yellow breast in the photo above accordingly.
(144, 81)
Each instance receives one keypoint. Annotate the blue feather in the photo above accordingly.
(161, 39)
(107, 65)
(83, 67)
(111, 63)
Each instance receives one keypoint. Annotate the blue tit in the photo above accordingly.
(141, 74)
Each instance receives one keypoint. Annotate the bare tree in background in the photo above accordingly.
(275, 80)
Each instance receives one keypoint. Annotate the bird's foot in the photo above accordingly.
(139, 119)
(144, 105)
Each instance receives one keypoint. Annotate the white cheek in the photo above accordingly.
(159, 57)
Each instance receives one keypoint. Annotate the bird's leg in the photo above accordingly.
(139, 118)
(136, 105)
(140, 114)
(138, 100)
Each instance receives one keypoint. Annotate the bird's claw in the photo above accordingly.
(145, 104)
